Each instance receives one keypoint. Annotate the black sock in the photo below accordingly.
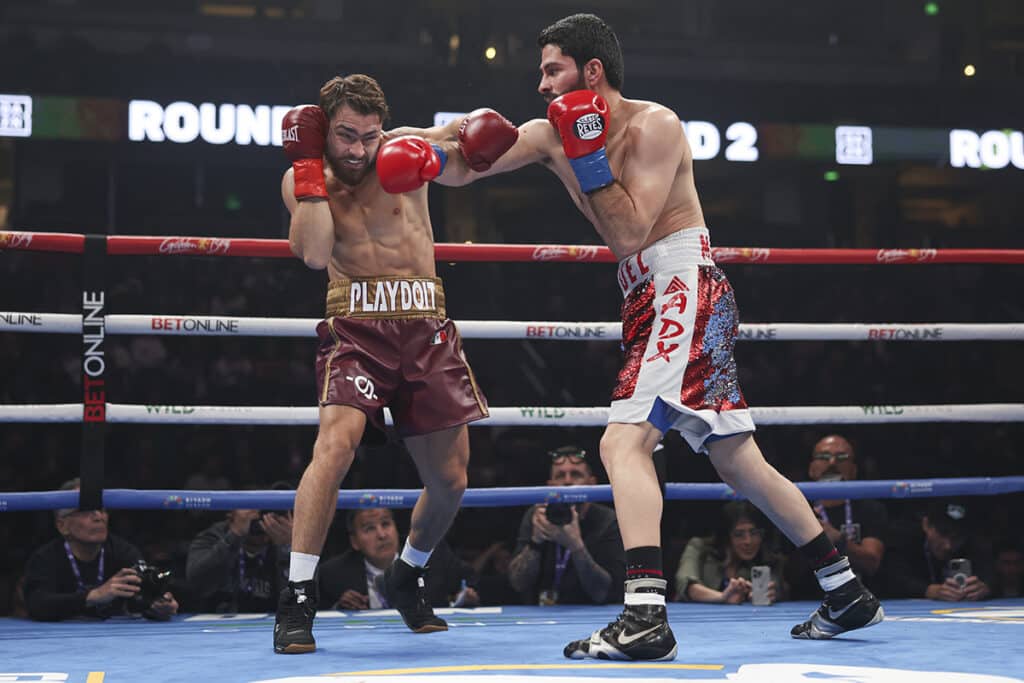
(819, 551)
(644, 563)
(645, 583)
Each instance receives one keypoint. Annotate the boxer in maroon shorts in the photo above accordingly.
(358, 204)
(411, 361)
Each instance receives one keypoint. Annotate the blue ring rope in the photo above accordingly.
(138, 499)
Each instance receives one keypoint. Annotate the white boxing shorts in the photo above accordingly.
(679, 328)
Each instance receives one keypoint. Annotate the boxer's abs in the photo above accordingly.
(408, 253)
(379, 235)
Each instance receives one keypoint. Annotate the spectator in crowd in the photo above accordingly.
(855, 527)
(240, 564)
(89, 572)
(1009, 569)
(346, 581)
(569, 554)
(718, 568)
(946, 533)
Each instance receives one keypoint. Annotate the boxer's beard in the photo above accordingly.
(346, 173)
(579, 85)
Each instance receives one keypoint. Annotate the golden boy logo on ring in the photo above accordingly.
(176, 245)
(214, 245)
(15, 240)
(548, 253)
(583, 253)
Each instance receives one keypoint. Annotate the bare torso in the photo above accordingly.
(376, 233)
(682, 207)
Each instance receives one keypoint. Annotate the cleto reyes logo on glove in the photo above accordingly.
(589, 126)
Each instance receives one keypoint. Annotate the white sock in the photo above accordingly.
(645, 591)
(832, 576)
(302, 567)
(416, 558)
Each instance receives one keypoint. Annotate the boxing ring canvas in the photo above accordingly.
(919, 641)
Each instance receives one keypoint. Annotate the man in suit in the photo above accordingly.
(346, 581)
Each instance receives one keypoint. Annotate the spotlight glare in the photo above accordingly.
(969, 70)
(491, 52)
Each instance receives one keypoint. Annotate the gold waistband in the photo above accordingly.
(388, 297)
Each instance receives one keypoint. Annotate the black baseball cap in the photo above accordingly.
(949, 517)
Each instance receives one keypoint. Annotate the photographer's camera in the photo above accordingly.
(558, 514)
(155, 582)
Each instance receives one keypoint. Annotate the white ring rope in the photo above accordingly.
(195, 325)
(514, 416)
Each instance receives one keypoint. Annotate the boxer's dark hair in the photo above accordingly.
(584, 37)
(360, 92)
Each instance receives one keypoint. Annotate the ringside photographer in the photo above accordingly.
(89, 572)
(240, 564)
(568, 554)
(955, 563)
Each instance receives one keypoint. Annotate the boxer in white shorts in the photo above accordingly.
(679, 327)
(628, 167)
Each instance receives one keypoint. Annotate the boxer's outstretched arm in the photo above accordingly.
(311, 230)
(449, 131)
(627, 209)
(534, 145)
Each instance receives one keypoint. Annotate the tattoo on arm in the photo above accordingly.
(594, 578)
(524, 569)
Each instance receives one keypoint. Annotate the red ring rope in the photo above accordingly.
(278, 248)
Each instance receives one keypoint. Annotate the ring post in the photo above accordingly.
(94, 390)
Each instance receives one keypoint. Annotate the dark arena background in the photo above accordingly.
(861, 170)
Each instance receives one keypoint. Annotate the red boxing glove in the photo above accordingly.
(304, 136)
(484, 136)
(405, 163)
(580, 117)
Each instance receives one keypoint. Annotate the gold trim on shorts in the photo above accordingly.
(330, 358)
(472, 382)
(391, 297)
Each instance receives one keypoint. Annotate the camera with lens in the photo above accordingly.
(558, 514)
(155, 582)
(255, 528)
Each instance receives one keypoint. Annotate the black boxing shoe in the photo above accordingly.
(403, 586)
(293, 628)
(846, 608)
(640, 633)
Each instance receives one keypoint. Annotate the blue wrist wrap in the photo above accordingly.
(442, 155)
(593, 171)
